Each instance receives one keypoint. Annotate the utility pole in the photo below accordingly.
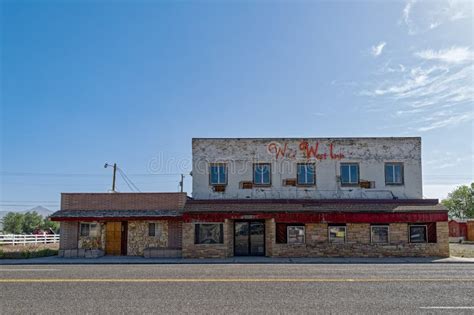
(181, 183)
(114, 174)
(113, 177)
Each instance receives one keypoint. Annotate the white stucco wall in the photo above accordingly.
(284, 154)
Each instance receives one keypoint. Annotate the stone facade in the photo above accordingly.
(93, 242)
(81, 253)
(139, 240)
(224, 250)
(358, 243)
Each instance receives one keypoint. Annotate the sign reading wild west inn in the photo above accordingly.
(316, 150)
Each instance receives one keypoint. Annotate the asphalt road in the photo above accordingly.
(294, 288)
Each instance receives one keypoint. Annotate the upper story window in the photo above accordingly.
(306, 174)
(262, 174)
(349, 173)
(218, 174)
(393, 173)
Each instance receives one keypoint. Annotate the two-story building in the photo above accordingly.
(311, 197)
(282, 197)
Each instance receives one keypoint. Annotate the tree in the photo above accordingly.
(50, 225)
(13, 223)
(460, 202)
(31, 222)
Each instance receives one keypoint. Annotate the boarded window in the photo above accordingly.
(379, 234)
(280, 235)
(212, 233)
(431, 226)
(418, 233)
(291, 233)
(295, 234)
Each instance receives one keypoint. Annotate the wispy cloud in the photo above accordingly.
(407, 11)
(450, 55)
(428, 96)
(423, 15)
(377, 50)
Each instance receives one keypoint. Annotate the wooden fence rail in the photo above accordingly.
(18, 239)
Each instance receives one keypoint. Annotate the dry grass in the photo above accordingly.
(28, 250)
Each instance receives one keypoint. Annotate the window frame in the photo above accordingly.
(418, 225)
(306, 172)
(255, 165)
(90, 228)
(349, 164)
(338, 226)
(221, 232)
(379, 226)
(402, 173)
(288, 227)
(149, 229)
(218, 164)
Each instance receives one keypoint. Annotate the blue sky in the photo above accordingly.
(89, 82)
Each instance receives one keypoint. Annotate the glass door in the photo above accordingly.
(249, 238)
(257, 238)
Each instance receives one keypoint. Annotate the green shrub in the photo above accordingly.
(26, 253)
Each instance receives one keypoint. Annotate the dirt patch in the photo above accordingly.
(461, 250)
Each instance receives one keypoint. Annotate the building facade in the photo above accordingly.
(281, 197)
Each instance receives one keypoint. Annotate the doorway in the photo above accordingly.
(116, 238)
(249, 238)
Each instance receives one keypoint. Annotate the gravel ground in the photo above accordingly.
(461, 250)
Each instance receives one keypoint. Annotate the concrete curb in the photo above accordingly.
(55, 260)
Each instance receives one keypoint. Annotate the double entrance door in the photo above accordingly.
(249, 238)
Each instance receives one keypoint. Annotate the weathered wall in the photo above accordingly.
(69, 232)
(123, 201)
(284, 154)
(138, 239)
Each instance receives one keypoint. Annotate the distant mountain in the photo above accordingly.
(38, 209)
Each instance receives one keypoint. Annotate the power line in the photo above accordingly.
(128, 181)
(5, 173)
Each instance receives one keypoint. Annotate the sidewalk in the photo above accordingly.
(55, 260)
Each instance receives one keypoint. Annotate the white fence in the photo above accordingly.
(16, 239)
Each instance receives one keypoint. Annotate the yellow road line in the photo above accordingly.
(176, 280)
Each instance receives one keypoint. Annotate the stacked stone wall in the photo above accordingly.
(139, 240)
